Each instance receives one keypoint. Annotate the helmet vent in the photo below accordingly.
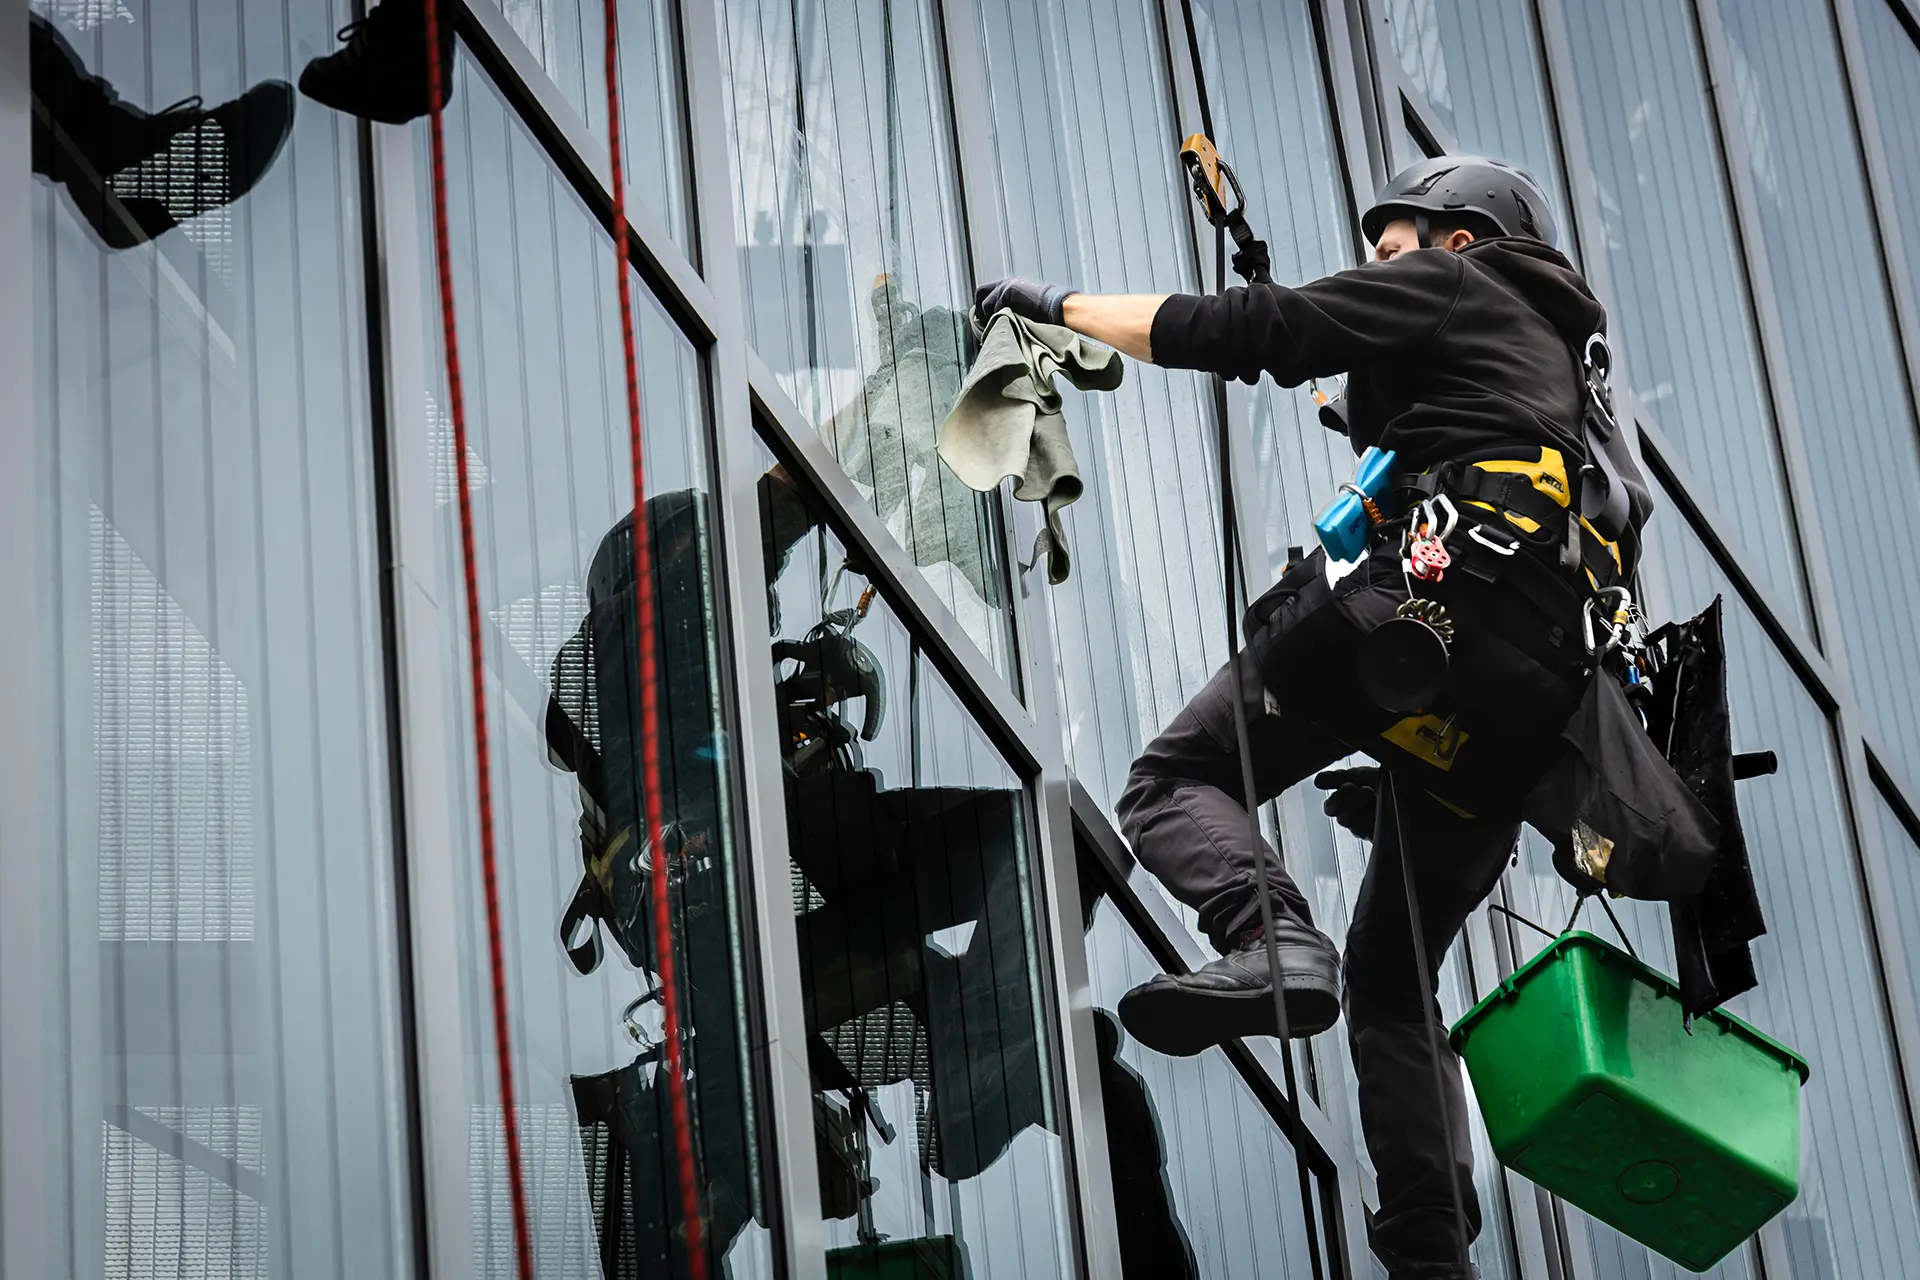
(1426, 184)
(1528, 223)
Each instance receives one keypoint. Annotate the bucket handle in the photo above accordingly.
(1578, 905)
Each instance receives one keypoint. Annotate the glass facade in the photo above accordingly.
(247, 915)
(1669, 244)
(548, 462)
(1477, 65)
(913, 896)
(222, 967)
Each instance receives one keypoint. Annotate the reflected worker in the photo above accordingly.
(133, 174)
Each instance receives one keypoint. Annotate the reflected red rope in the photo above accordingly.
(482, 745)
(649, 690)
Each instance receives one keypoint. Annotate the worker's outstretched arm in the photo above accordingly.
(1372, 314)
(1121, 320)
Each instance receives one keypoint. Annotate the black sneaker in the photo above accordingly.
(134, 176)
(1182, 1014)
(382, 73)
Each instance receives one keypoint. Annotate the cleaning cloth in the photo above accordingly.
(1007, 420)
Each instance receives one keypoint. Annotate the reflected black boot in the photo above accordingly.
(133, 175)
(1182, 1014)
(382, 73)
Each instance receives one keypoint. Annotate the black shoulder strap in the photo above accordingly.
(1610, 477)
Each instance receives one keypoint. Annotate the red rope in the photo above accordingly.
(649, 691)
(482, 745)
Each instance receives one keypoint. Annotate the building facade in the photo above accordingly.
(244, 947)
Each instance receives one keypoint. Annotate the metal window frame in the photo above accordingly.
(29, 1240)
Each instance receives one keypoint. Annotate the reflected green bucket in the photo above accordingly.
(925, 1258)
(1592, 1088)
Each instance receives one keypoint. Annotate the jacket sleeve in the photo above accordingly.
(1382, 311)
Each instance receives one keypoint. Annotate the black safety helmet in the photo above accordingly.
(1504, 194)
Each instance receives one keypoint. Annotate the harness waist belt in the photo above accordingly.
(1522, 491)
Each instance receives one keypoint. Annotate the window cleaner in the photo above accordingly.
(1475, 353)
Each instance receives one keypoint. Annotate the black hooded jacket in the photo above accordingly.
(1450, 356)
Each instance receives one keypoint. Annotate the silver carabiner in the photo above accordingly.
(1430, 512)
(1615, 626)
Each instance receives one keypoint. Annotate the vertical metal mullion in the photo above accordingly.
(1075, 1051)
(29, 1198)
(1750, 242)
(382, 421)
(1893, 988)
(1190, 104)
(425, 747)
(1350, 108)
(787, 1108)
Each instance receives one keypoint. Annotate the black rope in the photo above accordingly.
(1231, 544)
(1428, 996)
(1625, 941)
(1515, 915)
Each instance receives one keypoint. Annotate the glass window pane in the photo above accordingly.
(1205, 1186)
(568, 37)
(854, 269)
(1857, 1188)
(1680, 315)
(1478, 63)
(912, 882)
(222, 1034)
(1861, 437)
(1091, 195)
(548, 457)
(1902, 853)
(1262, 67)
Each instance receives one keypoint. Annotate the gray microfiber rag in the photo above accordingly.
(1007, 420)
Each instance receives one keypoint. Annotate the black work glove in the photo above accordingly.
(1043, 303)
(1353, 799)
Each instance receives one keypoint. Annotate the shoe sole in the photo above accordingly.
(1180, 1021)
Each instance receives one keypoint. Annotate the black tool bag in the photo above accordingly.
(1712, 928)
(1619, 817)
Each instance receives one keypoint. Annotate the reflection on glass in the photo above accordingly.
(1091, 196)
(1842, 348)
(853, 269)
(222, 1044)
(938, 1142)
(548, 458)
(1205, 1187)
(568, 37)
(1262, 66)
(1680, 314)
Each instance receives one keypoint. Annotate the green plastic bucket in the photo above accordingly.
(1592, 1088)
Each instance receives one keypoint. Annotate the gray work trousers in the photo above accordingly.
(1183, 813)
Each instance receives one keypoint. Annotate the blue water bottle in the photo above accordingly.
(1344, 524)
